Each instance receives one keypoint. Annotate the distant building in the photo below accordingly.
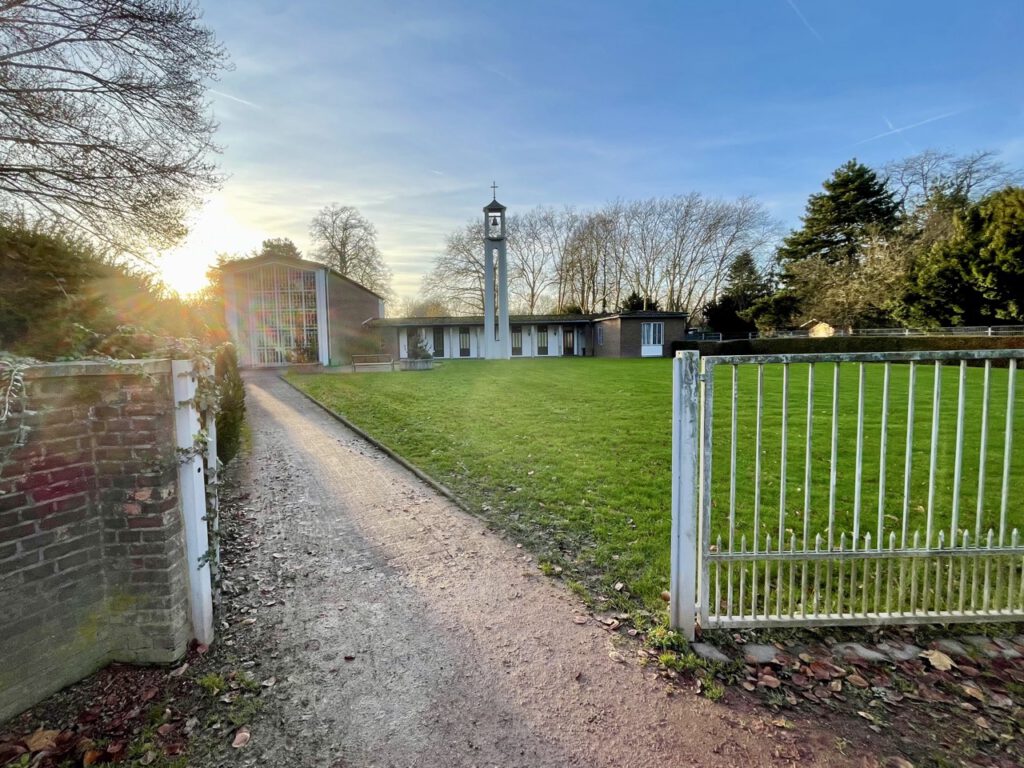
(819, 328)
(627, 334)
(281, 311)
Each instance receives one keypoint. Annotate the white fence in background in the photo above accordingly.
(847, 489)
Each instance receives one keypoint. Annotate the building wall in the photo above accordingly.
(612, 331)
(348, 306)
(92, 552)
(630, 335)
(675, 330)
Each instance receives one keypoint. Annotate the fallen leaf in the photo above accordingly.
(781, 722)
(974, 693)
(164, 729)
(769, 681)
(269, 682)
(748, 686)
(179, 671)
(241, 737)
(836, 685)
(616, 656)
(857, 680)
(92, 756)
(148, 758)
(579, 619)
(41, 740)
(619, 586)
(938, 660)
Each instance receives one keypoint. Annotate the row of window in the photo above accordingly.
(650, 334)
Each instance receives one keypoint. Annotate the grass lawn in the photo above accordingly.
(571, 456)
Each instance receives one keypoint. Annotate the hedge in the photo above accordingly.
(231, 402)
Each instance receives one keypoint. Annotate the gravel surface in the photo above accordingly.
(402, 632)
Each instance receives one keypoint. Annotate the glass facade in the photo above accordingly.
(282, 315)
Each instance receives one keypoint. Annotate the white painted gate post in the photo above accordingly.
(192, 490)
(685, 457)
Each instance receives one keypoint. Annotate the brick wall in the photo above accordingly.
(92, 553)
(348, 306)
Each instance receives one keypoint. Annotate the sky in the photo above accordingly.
(409, 110)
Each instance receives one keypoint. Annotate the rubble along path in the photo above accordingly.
(411, 635)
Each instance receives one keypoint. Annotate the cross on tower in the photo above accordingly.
(494, 190)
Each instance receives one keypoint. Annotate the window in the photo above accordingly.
(652, 334)
(463, 342)
(600, 335)
(517, 339)
(542, 339)
(282, 315)
(439, 342)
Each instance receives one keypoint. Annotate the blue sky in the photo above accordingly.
(408, 110)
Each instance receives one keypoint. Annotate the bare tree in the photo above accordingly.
(346, 241)
(457, 278)
(532, 258)
(104, 123)
(918, 178)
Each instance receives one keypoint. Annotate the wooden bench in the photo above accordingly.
(373, 362)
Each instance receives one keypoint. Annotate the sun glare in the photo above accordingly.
(212, 230)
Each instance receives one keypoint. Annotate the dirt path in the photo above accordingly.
(462, 653)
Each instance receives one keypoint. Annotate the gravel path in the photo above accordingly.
(416, 637)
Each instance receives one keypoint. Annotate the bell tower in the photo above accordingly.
(497, 339)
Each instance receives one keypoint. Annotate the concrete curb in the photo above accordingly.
(439, 487)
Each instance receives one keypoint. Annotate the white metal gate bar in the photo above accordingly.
(822, 561)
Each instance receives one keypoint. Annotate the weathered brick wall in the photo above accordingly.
(92, 553)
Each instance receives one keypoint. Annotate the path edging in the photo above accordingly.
(439, 487)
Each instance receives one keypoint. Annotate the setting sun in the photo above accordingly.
(212, 230)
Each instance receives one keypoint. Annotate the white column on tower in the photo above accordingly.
(488, 350)
(504, 351)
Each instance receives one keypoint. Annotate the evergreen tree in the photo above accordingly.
(976, 275)
(855, 206)
(745, 286)
(637, 303)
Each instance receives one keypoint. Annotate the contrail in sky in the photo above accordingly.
(234, 98)
(895, 131)
(803, 18)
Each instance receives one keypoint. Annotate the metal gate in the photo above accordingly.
(834, 489)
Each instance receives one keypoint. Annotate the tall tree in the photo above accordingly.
(457, 277)
(920, 179)
(347, 242)
(855, 213)
(745, 285)
(976, 276)
(838, 223)
(104, 122)
(279, 247)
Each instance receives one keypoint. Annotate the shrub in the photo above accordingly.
(231, 403)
